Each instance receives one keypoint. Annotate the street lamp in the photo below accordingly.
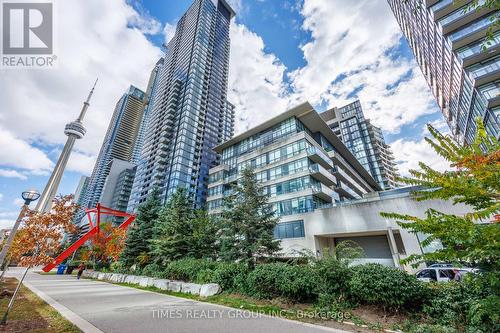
(28, 196)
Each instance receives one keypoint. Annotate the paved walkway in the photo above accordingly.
(97, 306)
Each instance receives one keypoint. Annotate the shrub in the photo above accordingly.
(386, 286)
(446, 304)
(334, 277)
(230, 276)
(299, 283)
(187, 269)
(204, 276)
(473, 303)
(295, 282)
(117, 267)
(263, 281)
(152, 270)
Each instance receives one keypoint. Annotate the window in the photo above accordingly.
(428, 274)
(294, 229)
(446, 273)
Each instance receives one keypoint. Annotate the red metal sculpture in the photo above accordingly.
(93, 229)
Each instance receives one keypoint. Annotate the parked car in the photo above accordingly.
(443, 273)
(441, 265)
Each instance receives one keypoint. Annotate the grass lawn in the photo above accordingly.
(31, 314)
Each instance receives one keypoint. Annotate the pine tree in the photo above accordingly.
(475, 181)
(204, 240)
(248, 222)
(172, 230)
(140, 232)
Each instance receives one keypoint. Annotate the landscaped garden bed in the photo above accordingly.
(327, 292)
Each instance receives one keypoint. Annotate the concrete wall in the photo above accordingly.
(324, 226)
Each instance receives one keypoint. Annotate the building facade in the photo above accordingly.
(383, 240)
(365, 141)
(300, 161)
(318, 189)
(448, 40)
(119, 143)
(190, 114)
(151, 89)
(80, 189)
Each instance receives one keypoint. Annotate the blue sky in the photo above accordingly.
(328, 52)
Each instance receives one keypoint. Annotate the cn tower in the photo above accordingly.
(74, 130)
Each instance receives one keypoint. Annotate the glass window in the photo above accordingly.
(472, 27)
(293, 229)
(484, 67)
(455, 15)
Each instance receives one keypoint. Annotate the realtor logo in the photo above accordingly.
(27, 29)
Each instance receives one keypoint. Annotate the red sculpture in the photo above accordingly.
(94, 229)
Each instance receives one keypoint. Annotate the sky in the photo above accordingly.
(283, 52)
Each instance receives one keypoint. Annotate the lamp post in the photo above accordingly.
(28, 196)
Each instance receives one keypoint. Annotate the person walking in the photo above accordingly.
(81, 268)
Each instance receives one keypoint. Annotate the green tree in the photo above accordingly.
(204, 238)
(248, 222)
(475, 181)
(171, 231)
(141, 231)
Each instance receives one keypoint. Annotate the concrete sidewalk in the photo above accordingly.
(96, 306)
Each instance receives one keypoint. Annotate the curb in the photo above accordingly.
(75, 319)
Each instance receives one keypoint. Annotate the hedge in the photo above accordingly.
(386, 286)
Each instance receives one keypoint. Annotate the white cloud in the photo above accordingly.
(408, 153)
(6, 223)
(81, 162)
(1, 196)
(94, 38)
(256, 84)
(12, 174)
(352, 49)
(169, 31)
(8, 214)
(18, 202)
(18, 153)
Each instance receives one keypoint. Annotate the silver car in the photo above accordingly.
(442, 274)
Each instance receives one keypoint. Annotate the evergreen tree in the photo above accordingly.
(172, 229)
(204, 240)
(475, 181)
(248, 222)
(140, 232)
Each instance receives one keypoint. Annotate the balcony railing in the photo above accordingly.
(322, 174)
(318, 156)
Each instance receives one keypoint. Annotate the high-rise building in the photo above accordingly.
(119, 143)
(365, 141)
(81, 188)
(300, 161)
(117, 187)
(319, 191)
(385, 157)
(152, 84)
(190, 114)
(448, 41)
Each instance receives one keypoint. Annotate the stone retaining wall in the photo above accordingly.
(203, 290)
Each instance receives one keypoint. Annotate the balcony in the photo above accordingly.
(322, 191)
(340, 174)
(322, 174)
(316, 155)
(346, 191)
